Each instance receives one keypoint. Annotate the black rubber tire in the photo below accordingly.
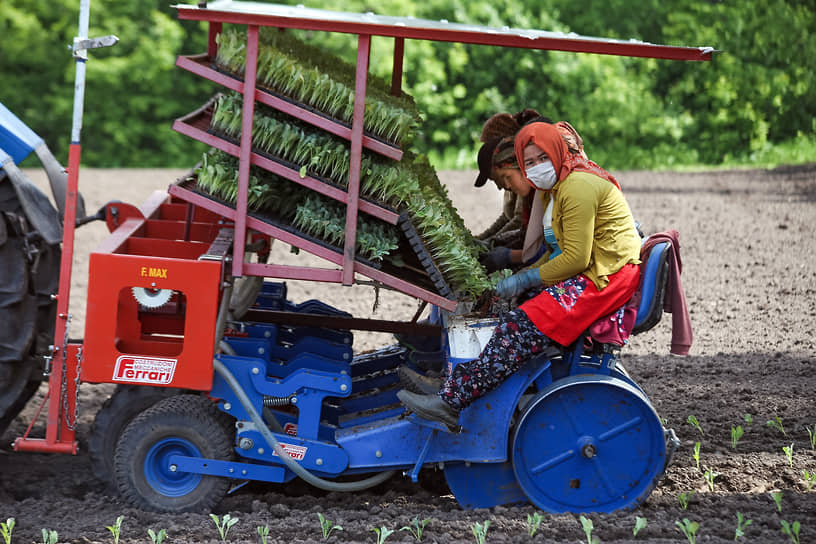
(126, 402)
(18, 384)
(194, 419)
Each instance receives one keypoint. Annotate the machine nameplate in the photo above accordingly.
(154, 272)
(146, 370)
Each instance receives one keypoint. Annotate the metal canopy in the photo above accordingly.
(263, 14)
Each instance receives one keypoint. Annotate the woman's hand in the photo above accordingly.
(518, 283)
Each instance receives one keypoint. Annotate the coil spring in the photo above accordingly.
(270, 402)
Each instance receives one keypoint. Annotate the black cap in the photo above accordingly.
(485, 161)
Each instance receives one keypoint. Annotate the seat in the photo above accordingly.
(652, 289)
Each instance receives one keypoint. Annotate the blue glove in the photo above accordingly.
(518, 283)
(497, 258)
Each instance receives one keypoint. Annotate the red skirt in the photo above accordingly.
(565, 310)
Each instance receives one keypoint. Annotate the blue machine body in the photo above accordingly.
(569, 432)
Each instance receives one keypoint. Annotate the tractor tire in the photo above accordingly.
(126, 402)
(187, 425)
(18, 383)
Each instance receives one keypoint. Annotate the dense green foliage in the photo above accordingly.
(752, 104)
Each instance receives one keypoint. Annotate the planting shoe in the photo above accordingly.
(418, 383)
(430, 407)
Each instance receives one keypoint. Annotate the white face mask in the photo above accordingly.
(542, 175)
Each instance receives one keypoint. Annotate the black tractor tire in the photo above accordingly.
(125, 403)
(18, 383)
(186, 424)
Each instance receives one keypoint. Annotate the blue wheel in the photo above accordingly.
(187, 425)
(588, 443)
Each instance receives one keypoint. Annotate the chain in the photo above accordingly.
(70, 423)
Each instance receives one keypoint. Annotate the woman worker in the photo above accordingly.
(594, 275)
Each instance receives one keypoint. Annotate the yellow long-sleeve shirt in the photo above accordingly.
(594, 229)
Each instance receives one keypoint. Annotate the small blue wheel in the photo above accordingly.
(188, 425)
(588, 443)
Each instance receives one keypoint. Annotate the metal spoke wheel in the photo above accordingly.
(186, 425)
(588, 443)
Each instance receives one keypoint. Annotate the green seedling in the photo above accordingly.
(692, 420)
(812, 435)
(791, 529)
(263, 534)
(696, 454)
(534, 522)
(683, 499)
(742, 523)
(416, 528)
(777, 497)
(710, 476)
(480, 531)
(588, 526)
(776, 423)
(640, 523)
(327, 526)
(157, 538)
(689, 529)
(382, 534)
(736, 434)
(810, 479)
(49, 537)
(789, 454)
(223, 525)
(116, 529)
(748, 418)
(6, 527)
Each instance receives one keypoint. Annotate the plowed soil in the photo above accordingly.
(749, 272)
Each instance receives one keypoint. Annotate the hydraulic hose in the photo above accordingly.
(293, 465)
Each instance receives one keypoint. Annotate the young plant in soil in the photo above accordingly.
(588, 527)
(776, 423)
(157, 538)
(692, 420)
(810, 479)
(689, 529)
(696, 454)
(116, 529)
(683, 499)
(534, 522)
(480, 531)
(416, 528)
(263, 534)
(789, 454)
(640, 523)
(710, 475)
(812, 435)
(736, 434)
(777, 498)
(382, 534)
(791, 529)
(49, 537)
(223, 525)
(327, 527)
(748, 418)
(6, 528)
(742, 524)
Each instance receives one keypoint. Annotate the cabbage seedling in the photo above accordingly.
(742, 523)
(416, 528)
(812, 434)
(736, 434)
(776, 423)
(534, 522)
(791, 529)
(382, 533)
(49, 537)
(683, 499)
(689, 529)
(116, 529)
(640, 523)
(263, 534)
(710, 476)
(810, 479)
(157, 538)
(748, 419)
(789, 454)
(480, 531)
(588, 527)
(6, 527)
(223, 525)
(777, 497)
(692, 420)
(696, 454)
(327, 526)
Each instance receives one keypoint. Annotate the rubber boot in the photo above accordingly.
(418, 383)
(431, 407)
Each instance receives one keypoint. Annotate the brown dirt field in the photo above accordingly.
(749, 256)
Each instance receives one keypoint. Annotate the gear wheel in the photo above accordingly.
(152, 298)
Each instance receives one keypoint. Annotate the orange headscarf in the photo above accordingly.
(550, 139)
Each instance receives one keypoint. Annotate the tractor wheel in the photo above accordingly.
(588, 443)
(186, 425)
(126, 402)
(18, 383)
